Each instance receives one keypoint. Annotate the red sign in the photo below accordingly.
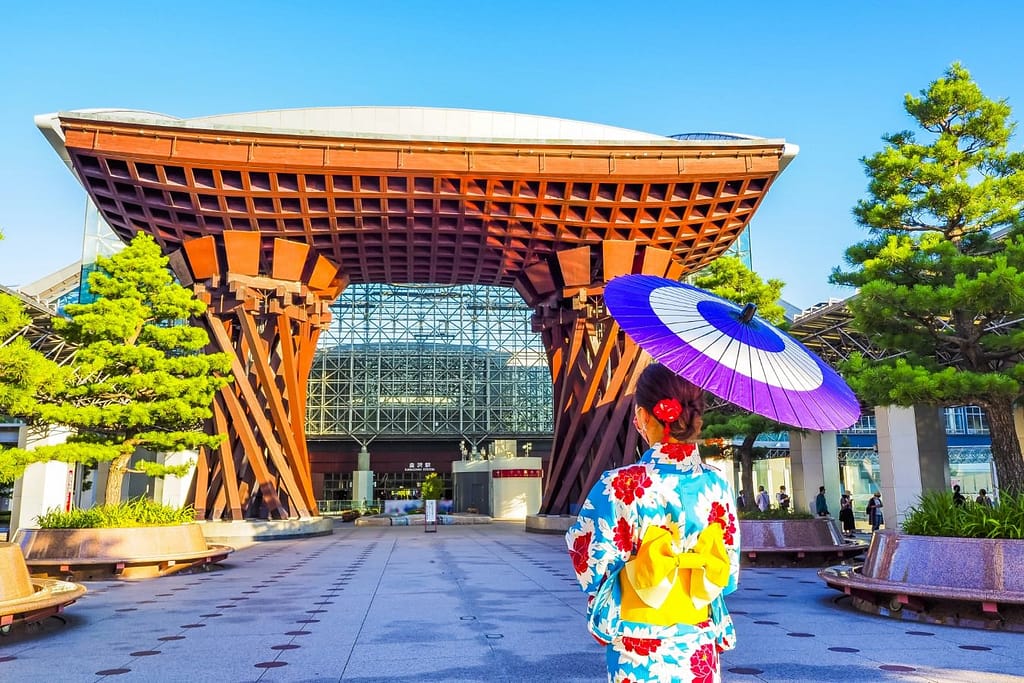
(70, 488)
(499, 474)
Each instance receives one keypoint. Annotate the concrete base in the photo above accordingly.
(233, 533)
(420, 520)
(549, 524)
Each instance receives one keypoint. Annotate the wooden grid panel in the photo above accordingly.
(394, 217)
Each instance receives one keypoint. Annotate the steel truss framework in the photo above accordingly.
(39, 331)
(828, 330)
(555, 221)
(428, 361)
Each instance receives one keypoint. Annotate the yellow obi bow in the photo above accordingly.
(664, 588)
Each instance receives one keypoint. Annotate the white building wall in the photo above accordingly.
(515, 497)
(173, 491)
(44, 486)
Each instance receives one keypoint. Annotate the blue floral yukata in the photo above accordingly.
(670, 487)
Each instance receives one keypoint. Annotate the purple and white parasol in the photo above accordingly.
(731, 352)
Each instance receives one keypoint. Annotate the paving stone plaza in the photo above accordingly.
(467, 603)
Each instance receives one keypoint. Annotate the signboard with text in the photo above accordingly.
(430, 514)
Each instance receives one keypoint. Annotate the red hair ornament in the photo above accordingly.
(667, 410)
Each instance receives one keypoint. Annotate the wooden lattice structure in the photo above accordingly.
(554, 219)
(269, 316)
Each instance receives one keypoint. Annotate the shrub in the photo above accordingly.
(775, 513)
(432, 487)
(131, 513)
(937, 515)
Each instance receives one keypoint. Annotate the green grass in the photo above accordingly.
(937, 515)
(132, 513)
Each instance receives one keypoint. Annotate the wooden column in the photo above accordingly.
(594, 365)
(266, 307)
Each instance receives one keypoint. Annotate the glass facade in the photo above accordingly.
(430, 361)
(966, 420)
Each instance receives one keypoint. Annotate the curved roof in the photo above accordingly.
(420, 195)
(410, 123)
(423, 123)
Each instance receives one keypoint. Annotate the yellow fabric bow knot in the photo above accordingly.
(660, 586)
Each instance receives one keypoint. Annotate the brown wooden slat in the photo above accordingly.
(282, 421)
(263, 478)
(289, 259)
(254, 416)
(227, 460)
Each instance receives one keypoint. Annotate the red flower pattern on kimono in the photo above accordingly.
(677, 451)
(641, 646)
(630, 483)
(702, 664)
(624, 535)
(675, 491)
(721, 514)
(580, 552)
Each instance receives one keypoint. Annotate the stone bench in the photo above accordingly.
(963, 581)
(24, 599)
(131, 552)
(549, 524)
(795, 542)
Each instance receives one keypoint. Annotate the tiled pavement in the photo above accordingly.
(468, 603)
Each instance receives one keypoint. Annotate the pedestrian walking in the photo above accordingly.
(875, 518)
(958, 498)
(821, 503)
(761, 499)
(983, 498)
(846, 514)
(782, 498)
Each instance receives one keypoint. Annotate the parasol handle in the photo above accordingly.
(748, 313)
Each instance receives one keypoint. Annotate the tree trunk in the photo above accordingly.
(115, 478)
(746, 451)
(1006, 451)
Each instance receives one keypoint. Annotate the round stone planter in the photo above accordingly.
(795, 542)
(131, 553)
(25, 599)
(549, 524)
(973, 582)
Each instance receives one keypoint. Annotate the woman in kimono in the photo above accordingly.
(656, 546)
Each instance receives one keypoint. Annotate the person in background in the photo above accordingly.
(741, 501)
(761, 499)
(875, 518)
(656, 546)
(958, 498)
(846, 514)
(782, 498)
(983, 498)
(821, 503)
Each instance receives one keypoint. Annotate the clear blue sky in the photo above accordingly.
(829, 77)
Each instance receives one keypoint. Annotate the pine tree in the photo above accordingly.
(941, 275)
(140, 377)
(23, 373)
(730, 279)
